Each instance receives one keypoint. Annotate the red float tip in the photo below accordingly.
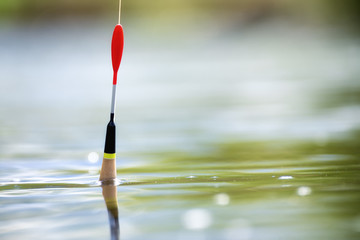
(117, 46)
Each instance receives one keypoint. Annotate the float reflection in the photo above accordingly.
(110, 197)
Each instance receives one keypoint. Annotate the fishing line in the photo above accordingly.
(119, 11)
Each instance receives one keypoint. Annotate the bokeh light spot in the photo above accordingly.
(197, 219)
(93, 157)
(222, 199)
(303, 191)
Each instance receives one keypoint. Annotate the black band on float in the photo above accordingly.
(110, 140)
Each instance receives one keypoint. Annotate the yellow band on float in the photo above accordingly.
(109, 155)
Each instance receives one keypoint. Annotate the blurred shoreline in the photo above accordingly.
(328, 14)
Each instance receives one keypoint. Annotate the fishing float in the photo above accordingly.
(108, 167)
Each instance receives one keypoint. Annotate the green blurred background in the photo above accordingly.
(193, 69)
(330, 12)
